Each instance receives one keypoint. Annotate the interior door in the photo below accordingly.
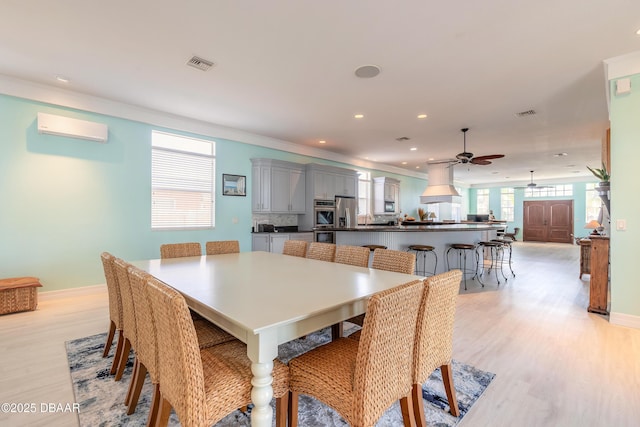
(548, 221)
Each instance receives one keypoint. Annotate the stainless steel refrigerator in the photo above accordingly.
(346, 212)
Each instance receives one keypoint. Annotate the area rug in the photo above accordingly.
(101, 398)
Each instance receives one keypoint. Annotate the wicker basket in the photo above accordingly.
(18, 294)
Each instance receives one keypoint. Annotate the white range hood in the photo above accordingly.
(440, 188)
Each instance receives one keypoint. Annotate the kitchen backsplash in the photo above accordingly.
(275, 219)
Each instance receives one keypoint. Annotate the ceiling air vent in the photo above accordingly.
(403, 138)
(199, 63)
(526, 113)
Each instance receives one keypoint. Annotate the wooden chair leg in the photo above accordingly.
(337, 331)
(418, 405)
(107, 345)
(134, 378)
(293, 409)
(447, 378)
(118, 353)
(124, 358)
(137, 387)
(282, 410)
(406, 407)
(155, 406)
(164, 412)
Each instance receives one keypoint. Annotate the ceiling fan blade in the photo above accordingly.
(489, 157)
(480, 161)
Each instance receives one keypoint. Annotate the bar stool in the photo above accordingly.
(496, 258)
(506, 243)
(462, 250)
(372, 248)
(421, 254)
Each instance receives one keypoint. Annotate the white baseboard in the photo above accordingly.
(627, 320)
(71, 292)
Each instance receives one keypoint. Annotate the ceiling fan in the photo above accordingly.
(466, 157)
(533, 184)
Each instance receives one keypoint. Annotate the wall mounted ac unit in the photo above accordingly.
(74, 128)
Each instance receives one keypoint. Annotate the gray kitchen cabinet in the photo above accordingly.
(260, 242)
(386, 190)
(278, 186)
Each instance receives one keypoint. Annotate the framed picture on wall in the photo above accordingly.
(234, 185)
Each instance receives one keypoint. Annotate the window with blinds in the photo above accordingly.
(182, 182)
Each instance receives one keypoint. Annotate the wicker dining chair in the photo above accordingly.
(434, 339)
(202, 385)
(221, 247)
(146, 354)
(321, 251)
(352, 255)
(392, 260)
(361, 379)
(129, 326)
(179, 250)
(295, 247)
(115, 310)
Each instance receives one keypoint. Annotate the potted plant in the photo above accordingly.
(602, 174)
(604, 185)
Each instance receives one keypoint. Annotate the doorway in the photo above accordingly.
(548, 221)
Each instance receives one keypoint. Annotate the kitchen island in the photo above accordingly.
(400, 237)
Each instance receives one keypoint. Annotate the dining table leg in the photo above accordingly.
(262, 349)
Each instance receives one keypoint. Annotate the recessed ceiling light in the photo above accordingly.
(422, 116)
(367, 71)
(638, 32)
(413, 148)
(62, 79)
(359, 116)
(431, 158)
(417, 167)
(322, 141)
(560, 155)
(404, 163)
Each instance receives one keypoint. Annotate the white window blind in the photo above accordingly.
(182, 181)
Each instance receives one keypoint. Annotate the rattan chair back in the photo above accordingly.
(352, 255)
(179, 250)
(222, 247)
(434, 334)
(295, 248)
(113, 289)
(128, 308)
(385, 353)
(146, 327)
(179, 363)
(322, 251)
(392, 260)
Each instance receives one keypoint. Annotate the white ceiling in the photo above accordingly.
(285, 69)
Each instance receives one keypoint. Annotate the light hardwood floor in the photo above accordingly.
(555, 363)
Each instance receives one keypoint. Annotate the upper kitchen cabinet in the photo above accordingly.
(278, 186)
(386, 196)
(326, 182)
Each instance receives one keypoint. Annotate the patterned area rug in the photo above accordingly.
(101, 398)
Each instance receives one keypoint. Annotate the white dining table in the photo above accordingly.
(266, 299)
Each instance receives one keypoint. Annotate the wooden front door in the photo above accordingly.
(548, 221)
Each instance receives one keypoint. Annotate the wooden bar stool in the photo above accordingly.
(421, 255)
(463, 250)
(496, 259)
(372, 249)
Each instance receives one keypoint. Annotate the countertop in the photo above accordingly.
(422, 228)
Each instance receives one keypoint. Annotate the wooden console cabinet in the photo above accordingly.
(599, 284)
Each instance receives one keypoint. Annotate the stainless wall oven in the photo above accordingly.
(323, 236)
(324, 213)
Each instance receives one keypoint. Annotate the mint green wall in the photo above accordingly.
(625, 204)
(66, 200)
(579, 206)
